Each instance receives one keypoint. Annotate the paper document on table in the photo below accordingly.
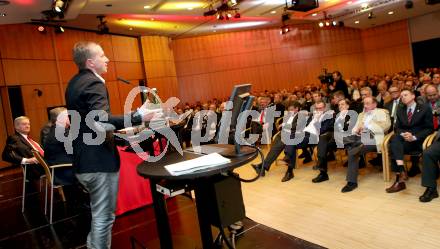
(196, 164)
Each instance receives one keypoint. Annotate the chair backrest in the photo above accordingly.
(44, 165)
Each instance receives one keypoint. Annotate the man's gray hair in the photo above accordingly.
(82, 52)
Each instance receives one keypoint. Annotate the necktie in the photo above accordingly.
(36, 146)
(393, 111)
(434, 118)
(262, 117)
(409, 115)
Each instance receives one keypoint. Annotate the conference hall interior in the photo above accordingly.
(219, 124)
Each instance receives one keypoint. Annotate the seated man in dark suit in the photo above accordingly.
(19, 146)
(277, 146)
(430, 171)
(327, 140)
(55, 153)
(321, 123)
(392, 106)
(413, 124)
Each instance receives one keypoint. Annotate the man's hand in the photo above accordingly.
(408, 136)
(31, 160)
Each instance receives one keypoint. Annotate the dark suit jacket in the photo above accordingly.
(421, 124)
(55, 153)
(17, 148)
(86, 92)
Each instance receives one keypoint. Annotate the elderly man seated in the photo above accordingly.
(19, 146)
(368, 135)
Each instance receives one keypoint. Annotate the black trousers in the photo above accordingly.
(430, 170)
(276, 148)
(290, 151)
(325, 144)
(354, 155)
(399, 147)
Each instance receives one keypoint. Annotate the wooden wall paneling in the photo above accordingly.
(3, 131)
(129, 70)
(160, 68)
(65, 42)
(104, 40)
(67, 70)
(2, 75)
(125, 48)
(7, 114)
(115, 101)
(23, 41)
(36, 107)
(166, 86)
(124, 90)
(22, 72)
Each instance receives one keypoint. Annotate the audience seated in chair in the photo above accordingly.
(368, 135)
(430, 170)
(413, 125)
(19, 146)
(55, 152)
(289, 125)
(321, 123)
(327, 140)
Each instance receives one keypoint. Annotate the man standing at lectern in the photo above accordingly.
(96, 165)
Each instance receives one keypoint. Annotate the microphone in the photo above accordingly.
(123, 80)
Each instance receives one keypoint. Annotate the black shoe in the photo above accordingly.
(323, 176)
(288, 176)
(415, 170)
(430, 193)
(307, 160)
(257, 168)
(349, 187)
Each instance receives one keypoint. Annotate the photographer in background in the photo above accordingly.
(339, 84)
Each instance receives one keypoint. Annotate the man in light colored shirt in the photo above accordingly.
(370, 128)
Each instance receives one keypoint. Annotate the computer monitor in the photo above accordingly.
(242, 101)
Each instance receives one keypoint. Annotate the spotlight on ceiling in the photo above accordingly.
(41, 29)
(370, 15)
(102, 26)
(59, 29)
(321, 24)
(59, 7)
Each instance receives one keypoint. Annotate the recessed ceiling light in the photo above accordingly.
(214, 31)
(2, 14)
(147, 7)
(130, 28)
(364, 5)
(349, 2)
(190, 8)
(273, 12)
(314, 14)
(390, 12)
(151, 19)
(357, 22)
